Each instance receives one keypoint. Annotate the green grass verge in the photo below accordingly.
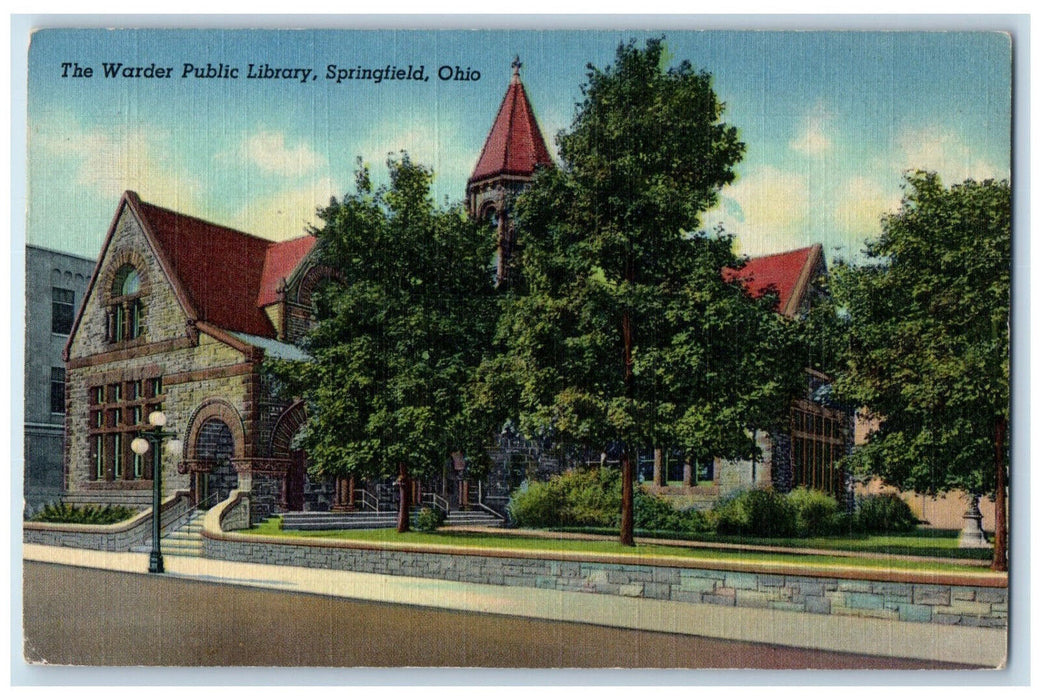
(550, 545)
(921, 543)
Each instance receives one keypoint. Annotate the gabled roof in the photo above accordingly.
(789, 274)
(514, 145)
(222, 273)
(282, 259)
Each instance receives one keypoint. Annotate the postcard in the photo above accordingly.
(511, 348)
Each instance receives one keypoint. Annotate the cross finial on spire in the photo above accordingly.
(516, 65)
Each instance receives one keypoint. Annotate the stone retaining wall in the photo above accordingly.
(119, 537)
(939, 603)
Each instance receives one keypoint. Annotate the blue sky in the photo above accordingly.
(831, 121)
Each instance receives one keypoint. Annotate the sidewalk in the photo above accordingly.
(967, 645)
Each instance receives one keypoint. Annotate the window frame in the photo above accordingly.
(67, 307)
(58, 390)
(118, 411)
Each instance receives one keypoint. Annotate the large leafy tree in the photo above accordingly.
(621, 331)
(398, 337)
(929, 341)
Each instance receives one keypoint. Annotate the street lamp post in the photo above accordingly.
(154, 438)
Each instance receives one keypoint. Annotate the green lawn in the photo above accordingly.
(518, 542)
(922, 542)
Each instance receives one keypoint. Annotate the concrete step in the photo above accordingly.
(186, 540)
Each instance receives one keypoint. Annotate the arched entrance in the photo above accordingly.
(284, 438)
(214, 448)
(214, 445)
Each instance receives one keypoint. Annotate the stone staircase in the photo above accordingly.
(186, 540)
(366, 520)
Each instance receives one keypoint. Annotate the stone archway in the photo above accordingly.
(215, 443)
(283, 436)
(214, 448)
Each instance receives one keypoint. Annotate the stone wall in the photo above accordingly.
(266, 494)
(233, 514)
(974, 605)
(119, 537)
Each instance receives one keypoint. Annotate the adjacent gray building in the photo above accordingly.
(54, 287)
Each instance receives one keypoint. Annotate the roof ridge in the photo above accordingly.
(182, 215)
(784, 252)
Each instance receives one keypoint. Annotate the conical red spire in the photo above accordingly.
(515, 145)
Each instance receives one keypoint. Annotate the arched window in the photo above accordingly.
(127, 282)
(125, 310)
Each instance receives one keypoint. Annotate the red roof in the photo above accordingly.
(788, 274)
(224, 273)
(514, 145)
(282, 259)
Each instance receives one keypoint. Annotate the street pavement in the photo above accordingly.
(919, 643)
(147, 620)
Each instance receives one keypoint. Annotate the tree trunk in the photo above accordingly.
(1000, 562)
(689, 472)
(626, 535)
(405, 497)
(660, 477)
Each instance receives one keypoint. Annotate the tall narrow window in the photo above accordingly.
(125, 309)
(57, 390)
(63, 308)
(99, 456)
(818, 442)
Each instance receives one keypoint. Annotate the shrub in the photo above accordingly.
(658, 514)
(537, 504)
(429, 519)
(816, 513)
(883, 513)
(757, 513)
(589, 498)
(83, 515)
(592, 498)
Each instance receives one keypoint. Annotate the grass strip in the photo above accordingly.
(469, 539)
(921, 543)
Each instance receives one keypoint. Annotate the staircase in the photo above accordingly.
(186, 540)
(371, 520)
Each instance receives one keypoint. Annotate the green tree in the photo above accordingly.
(398, 338)
(621, 330)
(929, 341)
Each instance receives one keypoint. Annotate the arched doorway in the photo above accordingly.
(214, 448)
(214, 444)
(284, 444)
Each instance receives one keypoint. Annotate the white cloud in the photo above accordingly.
(108, 161)
(286, 213)
(859, 207)
(814, 139)
(269, 152)
(768, 209)
(942, 150)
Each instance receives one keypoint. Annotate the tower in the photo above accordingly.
(513, 151)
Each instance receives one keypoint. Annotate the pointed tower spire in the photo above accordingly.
(514, 147)
(512, 153)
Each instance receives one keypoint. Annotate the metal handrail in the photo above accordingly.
(435, 500)
(367, 499)
(181, 519)
(494, 512)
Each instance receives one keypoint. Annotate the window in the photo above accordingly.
(818, 443)
(57, 390)
(118, 410)
(63, 309)
(126, 309)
